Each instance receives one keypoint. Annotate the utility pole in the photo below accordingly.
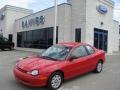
(55, 22)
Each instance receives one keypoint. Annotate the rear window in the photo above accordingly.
(90, 50)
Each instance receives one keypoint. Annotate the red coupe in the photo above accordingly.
(58, 63)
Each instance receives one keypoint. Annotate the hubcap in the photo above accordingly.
(99, 67)
(56, 81)
(12, 47)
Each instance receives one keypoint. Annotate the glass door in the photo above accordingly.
(101, 39)
(105, 42)
(96, 40)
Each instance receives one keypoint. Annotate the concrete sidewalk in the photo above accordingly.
(30, 50)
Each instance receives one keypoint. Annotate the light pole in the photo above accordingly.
(55, 22)
(1, 33)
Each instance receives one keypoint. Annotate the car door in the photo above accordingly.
(80, 64)
(6, 43)
(2, 43)
(92, 55)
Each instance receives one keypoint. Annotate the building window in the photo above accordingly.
(78, 35)
(10, 37)
(41, 38)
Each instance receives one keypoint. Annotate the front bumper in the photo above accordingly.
(33, 81)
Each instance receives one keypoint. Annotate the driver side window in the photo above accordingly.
(79, 52)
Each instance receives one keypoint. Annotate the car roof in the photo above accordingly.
(72, 44)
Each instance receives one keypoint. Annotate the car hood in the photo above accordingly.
(35, 63)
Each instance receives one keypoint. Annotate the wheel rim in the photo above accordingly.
(99, 67)
(56, 81)
(12, 47)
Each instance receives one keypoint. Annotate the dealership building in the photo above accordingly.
(89, 21)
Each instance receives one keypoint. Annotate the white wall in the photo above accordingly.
(82, 14)
(64, 22)
(94, 19)
(2, 22)
(10, 20)
(115, 39)
(11, 14)
(78, 17)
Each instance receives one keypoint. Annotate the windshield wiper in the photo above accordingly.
(47, 57)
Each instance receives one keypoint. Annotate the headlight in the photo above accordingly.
(34, 72)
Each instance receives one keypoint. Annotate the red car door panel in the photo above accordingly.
(78, 66)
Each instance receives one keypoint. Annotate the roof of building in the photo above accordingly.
(9, 7)
(44, 10)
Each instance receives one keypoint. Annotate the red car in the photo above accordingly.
(58, 63)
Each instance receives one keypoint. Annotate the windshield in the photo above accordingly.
(5, 39)
(56, 52)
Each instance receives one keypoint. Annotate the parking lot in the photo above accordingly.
(109, 79)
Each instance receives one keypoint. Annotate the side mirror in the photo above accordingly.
(72, 58)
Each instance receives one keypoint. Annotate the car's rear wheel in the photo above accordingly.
(11, 47)
(55, 81)
(99, 67)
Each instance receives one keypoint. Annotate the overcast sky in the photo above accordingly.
(38, 5)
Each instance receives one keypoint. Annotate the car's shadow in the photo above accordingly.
(24, 87)
(79, 77)
(17, 84)
(6, 50)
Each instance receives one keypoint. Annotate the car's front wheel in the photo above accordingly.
(99, 67)
(55, 81)
(2, 49)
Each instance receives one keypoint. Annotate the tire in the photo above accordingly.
(55, 81)
(11, 47)
(2, 49)
(99, 67)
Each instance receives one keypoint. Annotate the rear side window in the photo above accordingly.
(79, 52)
(90, 50)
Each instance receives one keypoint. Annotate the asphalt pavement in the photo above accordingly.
(109, 79)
